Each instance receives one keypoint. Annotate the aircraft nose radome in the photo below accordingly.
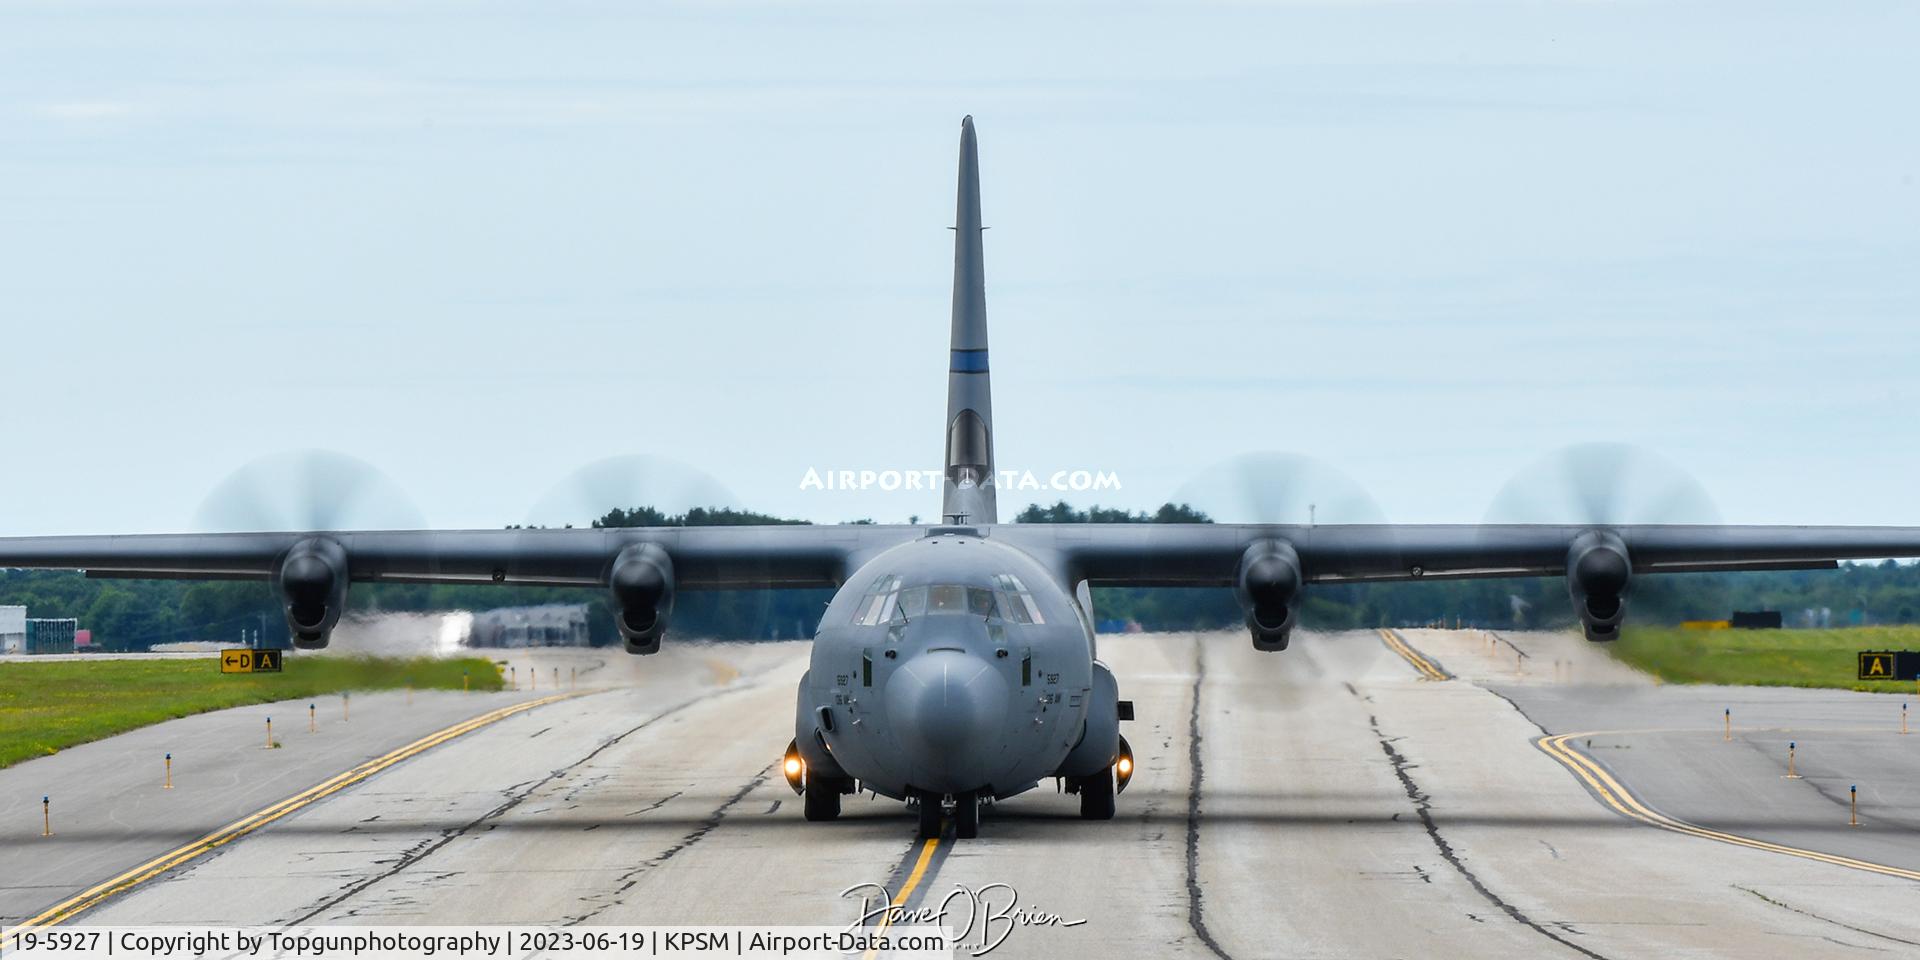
(947, 707)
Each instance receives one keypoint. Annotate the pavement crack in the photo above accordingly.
(1423, 807)
(1196, 917)
(515, 795)
(628, 880)
(1509, 701)
(1808, 913)
(657, 804)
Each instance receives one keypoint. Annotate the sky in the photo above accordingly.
(1418, 248)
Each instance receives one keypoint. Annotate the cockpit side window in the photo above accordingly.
(876, 607)
(1016, 601)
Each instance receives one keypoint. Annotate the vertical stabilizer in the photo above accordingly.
(968, 495)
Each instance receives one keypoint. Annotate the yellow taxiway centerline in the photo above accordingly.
(1615, 795)
(1428, 671)
(914, 877)
(93, 896)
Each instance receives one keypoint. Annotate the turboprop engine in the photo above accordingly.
(1269, 586)
(312, 583)
(1598, 576)
(641, 580)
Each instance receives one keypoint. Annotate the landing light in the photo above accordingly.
(794, 767)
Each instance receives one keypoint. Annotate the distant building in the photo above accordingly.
(13, 630)
(51, 636)
(550, 625)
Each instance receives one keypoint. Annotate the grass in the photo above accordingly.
(50, 705)
(1767, 658)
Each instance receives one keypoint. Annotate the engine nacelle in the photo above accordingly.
(1269, 586)
(641, 580)
(312, 583)
(1599, 575)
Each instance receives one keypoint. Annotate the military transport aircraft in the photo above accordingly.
(956, 663)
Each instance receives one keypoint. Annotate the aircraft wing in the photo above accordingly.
(1208, 554)
(1270, 567)
(1106, 554)
(642, 567)
(701, 557)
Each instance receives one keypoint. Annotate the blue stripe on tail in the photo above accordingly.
(969, 361)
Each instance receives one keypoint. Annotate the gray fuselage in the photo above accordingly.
(953, 663)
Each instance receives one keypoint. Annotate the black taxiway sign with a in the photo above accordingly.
(1889, 665)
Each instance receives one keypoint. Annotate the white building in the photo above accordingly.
(13, 629)
(548, 625)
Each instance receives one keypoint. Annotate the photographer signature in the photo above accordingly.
(983, 917)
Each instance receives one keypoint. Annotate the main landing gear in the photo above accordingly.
(1097, 790)
(1096, 795)
(821, 794)
(822, 797)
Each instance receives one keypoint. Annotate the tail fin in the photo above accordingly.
(969, 490)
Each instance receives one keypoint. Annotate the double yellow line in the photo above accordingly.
(1428, 669)
(93, 896)
(914, 877)
(1615, 795)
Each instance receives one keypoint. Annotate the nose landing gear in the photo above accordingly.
(966, 814)
(929, 816)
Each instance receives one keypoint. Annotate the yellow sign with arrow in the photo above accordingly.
(244, 660)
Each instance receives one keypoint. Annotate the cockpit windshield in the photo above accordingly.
(887, 602)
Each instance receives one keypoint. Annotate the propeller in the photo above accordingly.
(671, 488)
(1279, 487)
(1595, 484)
(625, 483)
(307, 491)
(1602, 484)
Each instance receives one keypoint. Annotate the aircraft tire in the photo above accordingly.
(1096, 796)
(929, 816)
(966, 815)
(822, 798)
